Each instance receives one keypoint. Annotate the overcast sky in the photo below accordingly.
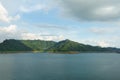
(95, 22)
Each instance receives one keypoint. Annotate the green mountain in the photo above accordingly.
(25, 45)
(14, 45)
(71, 46)
(51, 46)
(38, 45)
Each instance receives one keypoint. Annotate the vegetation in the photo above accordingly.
(51, 46)
(38, 45)
(14, 45)
(71, 46)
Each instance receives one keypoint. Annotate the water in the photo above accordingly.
(44, 66)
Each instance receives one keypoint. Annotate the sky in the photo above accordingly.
(94, 22)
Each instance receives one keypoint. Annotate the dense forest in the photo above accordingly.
(51, 46)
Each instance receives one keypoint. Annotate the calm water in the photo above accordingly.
(59, 66)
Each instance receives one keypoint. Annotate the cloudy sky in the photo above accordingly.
(95, 22)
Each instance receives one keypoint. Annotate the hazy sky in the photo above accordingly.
(95, 22)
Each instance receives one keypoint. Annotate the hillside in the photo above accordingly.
(68, 45)
(38, 45)
(25, 45)
(51, 46)
(14, 45)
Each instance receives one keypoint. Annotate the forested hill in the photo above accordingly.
(25, 45)
(51, 46)
(71, 46)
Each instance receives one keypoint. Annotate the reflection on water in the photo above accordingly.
(59, 66)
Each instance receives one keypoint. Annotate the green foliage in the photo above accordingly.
(38, 45)
(67, 45)
(51, 46)
(25, 45)
(14, 45)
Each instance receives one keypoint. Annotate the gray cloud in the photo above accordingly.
(91, 10)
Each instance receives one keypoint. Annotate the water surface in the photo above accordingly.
(44, 66)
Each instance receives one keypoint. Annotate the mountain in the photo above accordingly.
(51, 46)
(38, 45)
(14, 45)
(25, 45)
(68, 45)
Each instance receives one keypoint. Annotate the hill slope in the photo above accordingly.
(68, 45)
(25, 45)
(14, 45)
(51, 46)
(38, 45)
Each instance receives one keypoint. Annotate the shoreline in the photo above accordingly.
(56, 52)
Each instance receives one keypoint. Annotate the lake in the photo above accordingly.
(45, 66)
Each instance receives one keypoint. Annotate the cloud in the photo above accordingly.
(16, 17)
(103, 44)
(4, 16)
(9, 29)
(32, 36)
(12, 32)
(8, 32)
(91, 10)
(101, 30)
(108, 30)
(33, 8)
(51, 26)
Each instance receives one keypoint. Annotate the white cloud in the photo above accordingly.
(9, 29)
(100, 42)
(33, 36)
(4, 16)
(33, 8)
(104, 36)
(8, 32)
(91, 10)
(108, 30)
(103, 44)
(12, 32)
(102, 30)
(55, 38)
(16, 17)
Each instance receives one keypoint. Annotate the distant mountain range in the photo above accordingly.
(67, 46)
